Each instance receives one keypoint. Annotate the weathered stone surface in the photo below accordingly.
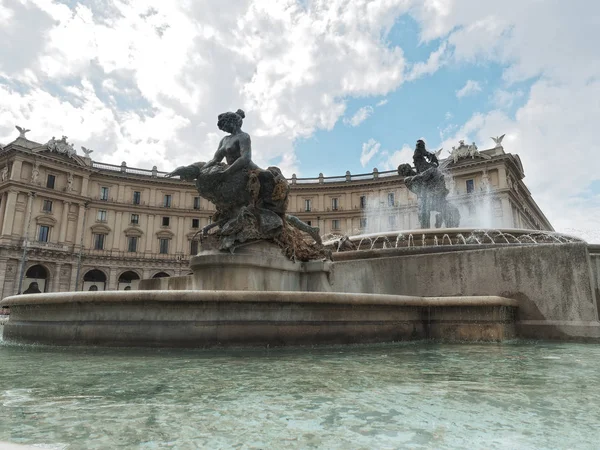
(240, 318)
(258, 266)
(552, 282)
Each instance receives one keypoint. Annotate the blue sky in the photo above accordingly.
(327, 85)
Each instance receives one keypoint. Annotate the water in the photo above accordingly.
(418, 395)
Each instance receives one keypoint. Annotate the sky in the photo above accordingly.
(326, 85)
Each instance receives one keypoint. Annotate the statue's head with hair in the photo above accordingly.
(231, 121)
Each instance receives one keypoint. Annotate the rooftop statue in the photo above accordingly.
(22, 131)
(498, 140)
(427, 182)
(61, 146)
(464, 151)
(250, 202)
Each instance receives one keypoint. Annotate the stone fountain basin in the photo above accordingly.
(192, 318)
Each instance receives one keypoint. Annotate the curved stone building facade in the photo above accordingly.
(70, 223)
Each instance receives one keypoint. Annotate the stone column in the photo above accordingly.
(27, 222)
(112, 282)
(84, 186)
(64, 222)
(73, 284)
(80, 229)
(117, 230)
(149, 233)
(9, 217)
(152, 197)
(3, 264)
(508, 221)
(179, 237)
(55, 284)
(2, 208)
(15, 173)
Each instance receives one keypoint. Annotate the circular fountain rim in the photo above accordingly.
(460, 231)
(199, 296)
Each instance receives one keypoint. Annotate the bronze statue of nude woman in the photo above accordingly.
(245, 196)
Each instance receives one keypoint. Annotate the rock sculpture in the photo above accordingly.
(250, 202)
(61, 146)
(464, 151)
(427, 182)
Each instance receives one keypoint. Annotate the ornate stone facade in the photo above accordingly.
(70, 223)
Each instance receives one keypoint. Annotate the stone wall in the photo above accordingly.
(553, 283)
(594, 251)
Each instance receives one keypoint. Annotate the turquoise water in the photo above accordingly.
(418, 395)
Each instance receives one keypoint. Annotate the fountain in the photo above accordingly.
(264, 278)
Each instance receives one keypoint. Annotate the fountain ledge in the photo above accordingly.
(181, 318)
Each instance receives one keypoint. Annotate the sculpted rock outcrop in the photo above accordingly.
(250, 202)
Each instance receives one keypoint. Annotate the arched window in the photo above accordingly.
(128, 280)
(36, 279)
(95, 278)
(161, 275)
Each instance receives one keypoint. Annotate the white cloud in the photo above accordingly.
(382, 102)
(554, 132)
(471, 87)
(505, 99)
(359, 116)
(369, 149)
(402, 156)
(290, 65)
(435, 60)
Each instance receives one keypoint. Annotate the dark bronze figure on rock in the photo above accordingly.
(250, 202)
(427, 182)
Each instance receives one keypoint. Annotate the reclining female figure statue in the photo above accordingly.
(251, 203)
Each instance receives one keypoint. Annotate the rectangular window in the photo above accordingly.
(363, 201)
(334, 204)
(137, 197)
(101, 215)
(167, 201)
(44, 233)
(135, 219)
(104, 193)
(391, 199)
(50, 181)
(196, 202)
(132, 244)
(307, 204)
(335, 224)
(166, 221)
(98, 241)
(392, 222)
(470, 186)
(193, 247)
(47, 206)
(363, 223)
(164, 246)
(195, 223)
(309, 223)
